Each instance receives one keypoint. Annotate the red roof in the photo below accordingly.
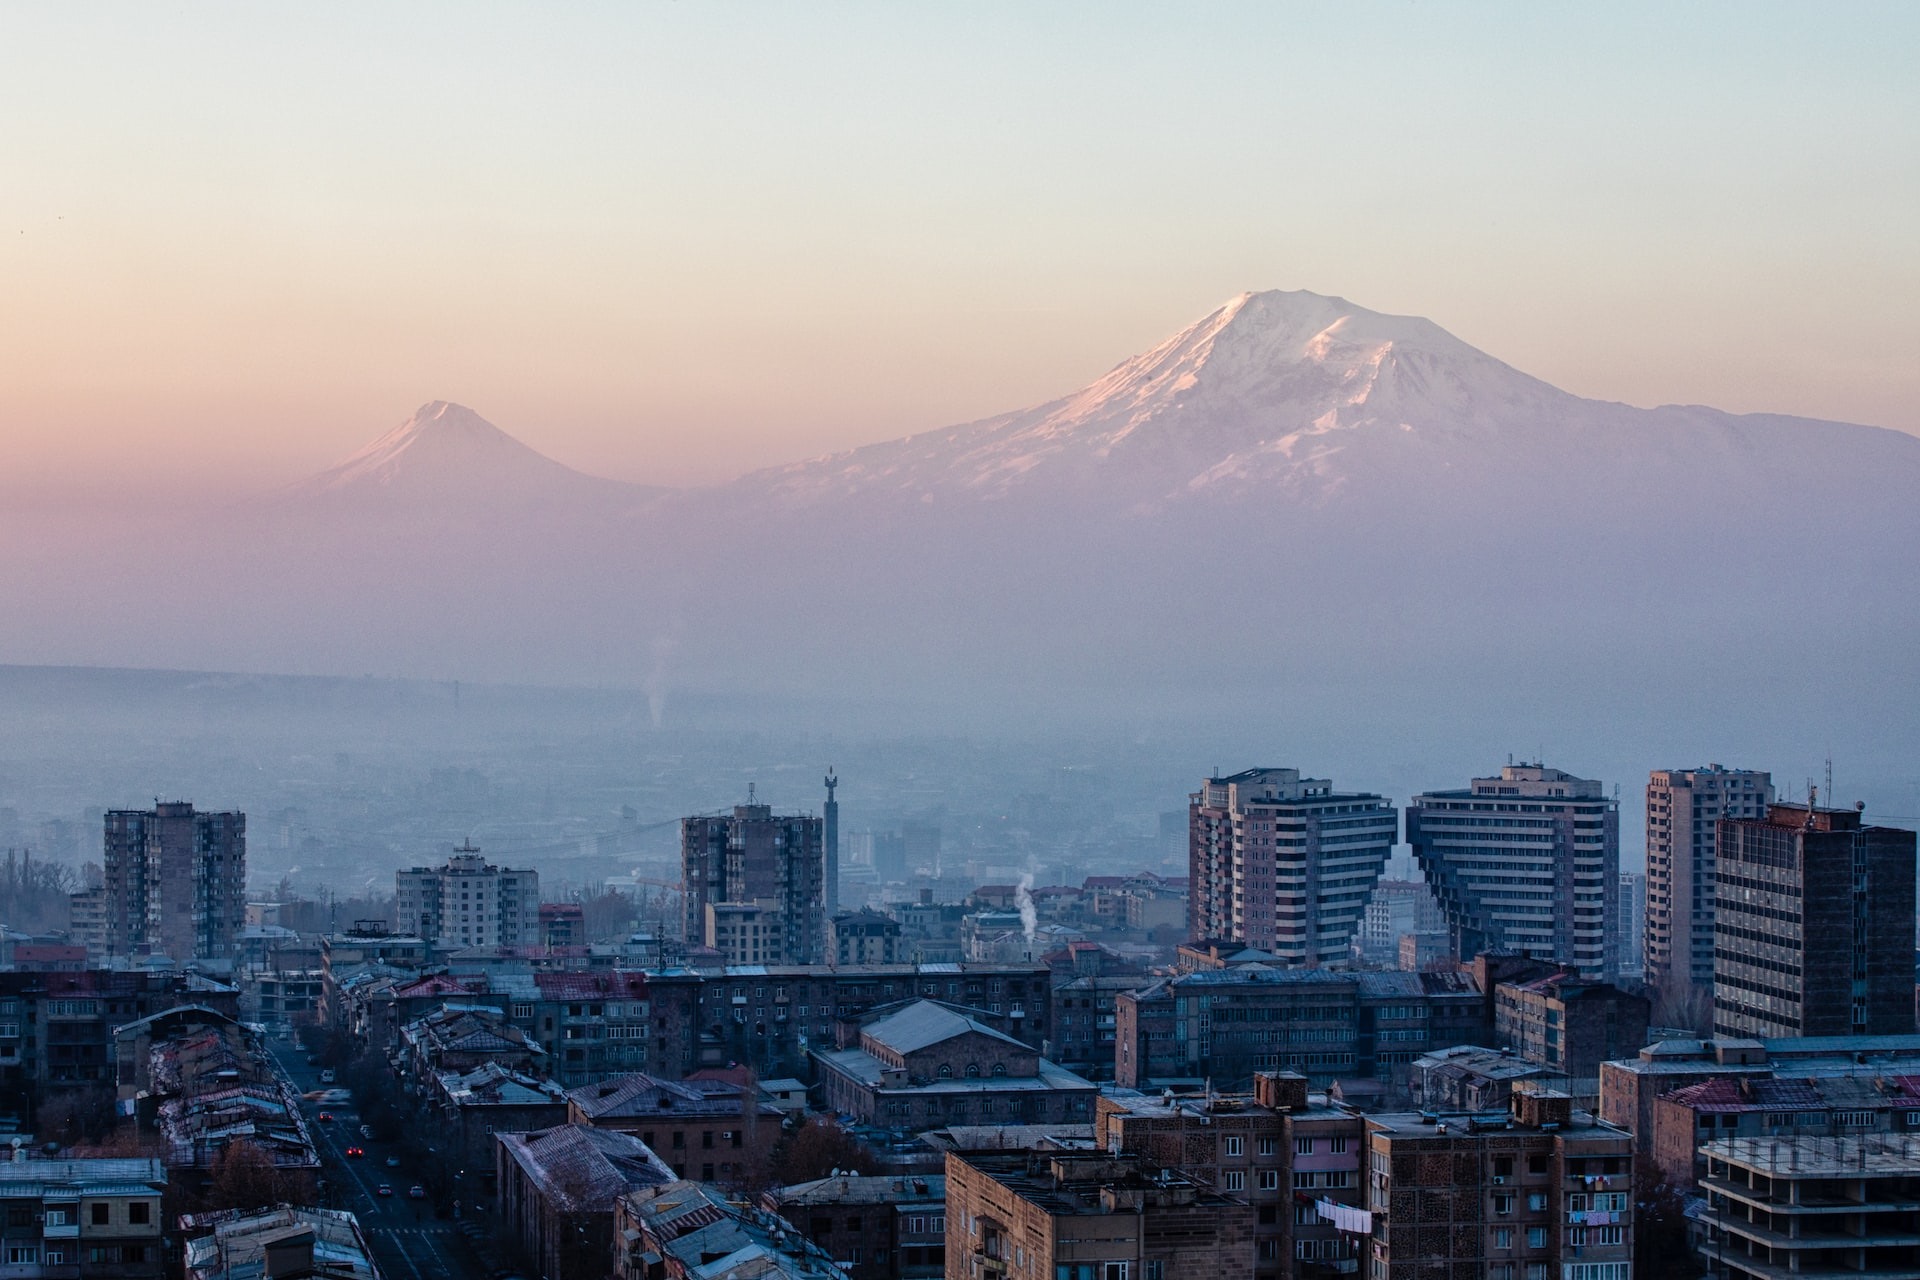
(621, 984)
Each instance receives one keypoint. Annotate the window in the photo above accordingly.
(1271, 1146)
(137, 1211)
(1503, 1237)
(1269, 1179)
(1156, 1271)
(1536, 1201)
(1536, 1237)
(101, 1214)
(946, 1072)
(18, 1254)
(1114, 1271)
(1503, 1202)
(1337, 1145)
(1235, 1146)
(1303, 1146)
(1235, 1180)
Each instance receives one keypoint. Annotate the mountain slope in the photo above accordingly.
(448, 456)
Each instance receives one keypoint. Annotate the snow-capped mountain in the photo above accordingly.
(448, 455)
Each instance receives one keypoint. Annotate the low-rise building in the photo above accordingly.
(689, 1231)
(557, 1191)
(928, 1065)
(1781, 1109)
(1467, 1077)
(1541, 1190)
(81, 1218)
(1035, 1215)
(470, 1107)
(1811, 1207)
(712, 1130)
(1569, 1023)
(1280, 1148)
(873, 1228)
(461, 1037)
(271, 1244)
(865, 936)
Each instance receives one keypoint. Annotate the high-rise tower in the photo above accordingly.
(469, 902)
(175, 882)
(752, 857)
(1684, 808)
(830, 841)
(1813, 926)
(1284, 863)
(1526, 862)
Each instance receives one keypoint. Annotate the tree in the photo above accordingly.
(816, 1149)
(244, 1176)
(1661, 1250)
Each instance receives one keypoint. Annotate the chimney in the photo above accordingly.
(1537, 1107)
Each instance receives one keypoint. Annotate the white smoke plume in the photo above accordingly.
(1023, 899)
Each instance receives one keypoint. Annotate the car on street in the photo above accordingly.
(393, 1162)
(356, 1151)
(326, 1117)
(383, 1190)
(326, 1077)
(416, 1192)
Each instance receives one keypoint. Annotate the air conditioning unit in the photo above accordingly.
(1499, 1180)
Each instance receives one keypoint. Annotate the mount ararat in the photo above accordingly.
(1295, 512)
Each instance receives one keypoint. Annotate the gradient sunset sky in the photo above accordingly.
(671, 243)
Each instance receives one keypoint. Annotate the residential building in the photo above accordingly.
(557, 1192)
(1633, 924)
(1811, 1207)
(1279, 1147)
(1569, 1024)
(468, 902)
(753, 855)
(927, 1065)
(747, 932)
(462, 1037)
(57, 1027)
(1467, 1077)
(1285, 863)
(874, 1228)
(1545, 1191)
(175, 882)
(1090, 1216)
(712, 1130)
(88, 921)
(1782, 1109)
(283, 1243)
(562, 924)
(81, 1218)
(865, 936)
(688, 1231)
(1527, 862)
(1684, 808)
(470, 1107)
(1225, 1025)
(1813, 925)
(1395, 909)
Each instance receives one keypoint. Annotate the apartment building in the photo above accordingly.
(81, 1218)
(1684, 808)
(175, 883)
(754, 856)
(469, 902)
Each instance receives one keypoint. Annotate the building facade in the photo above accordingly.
(175, 882)
(85, 1219)
(1091, 1216)
(1284, 863)
(1813, 926)
(1527, 862)
(1546, 1192)
(468, 902)
(753, 855)
(1569, 1024)
(1684, 808)
(1771, 1207)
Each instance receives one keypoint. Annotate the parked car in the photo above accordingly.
(383, 1190)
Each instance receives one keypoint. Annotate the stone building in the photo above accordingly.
(1543, 1191)
(874, 1228)
(865, 936)
(1569, 1024)
(690, 1231)
(712, 1130)
(1279, 1148)
(82, 1218)
(470, 1107)
(928, 1066)
(557, 1191)
(1038, 1216)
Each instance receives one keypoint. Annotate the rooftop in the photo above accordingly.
(236, 1247)
(924, 1023)
(849, 1189)
(584, 1169)
(1871, 1155)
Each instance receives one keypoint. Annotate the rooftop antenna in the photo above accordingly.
(749, 793)
(1829, 783)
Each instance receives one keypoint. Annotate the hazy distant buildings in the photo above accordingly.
(1395, 909)
(1684, 807)
(469, 902)
(1526, 862)
(175, 883)
(1632, 929)
(1813, 926)
(1284, 863)
(774, 864)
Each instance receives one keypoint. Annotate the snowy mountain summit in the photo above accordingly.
(446, 454)
(1269, 388)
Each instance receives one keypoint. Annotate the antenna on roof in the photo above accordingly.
(749, 793)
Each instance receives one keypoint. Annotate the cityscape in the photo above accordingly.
(836, 641)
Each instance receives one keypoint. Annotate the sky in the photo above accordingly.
(672, 242)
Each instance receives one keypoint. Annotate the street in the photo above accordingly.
(408, 1241)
